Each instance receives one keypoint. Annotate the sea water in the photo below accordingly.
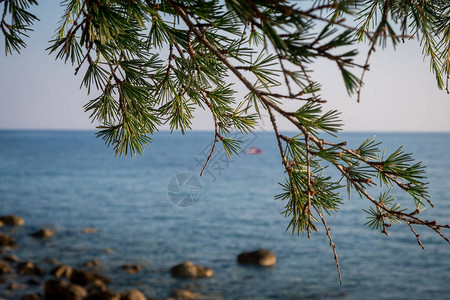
(69, 180)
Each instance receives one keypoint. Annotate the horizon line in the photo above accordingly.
(209, 131)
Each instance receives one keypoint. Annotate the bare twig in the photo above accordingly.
(308, 174)
(416, 234)
(216, 130)
(332, 245)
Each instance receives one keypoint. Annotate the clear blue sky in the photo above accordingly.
(37, 92)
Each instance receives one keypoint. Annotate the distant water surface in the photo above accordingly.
(68, 180)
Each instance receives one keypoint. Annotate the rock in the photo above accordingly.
(10, 258)
(35, 296)
(189, 270)
(84, 277)
(104, 295)
(260, 257)
(16, 286)
(63, 290)
(5, 268)
(109, 250)
(28, 268)
(43, 233)
(92, 263)
(34, 281)
(96, 286)
(132, 295)
(183, 295)
(7, 241)
(131, 268)
(89, 230)
(62, 271)
(12, 220)
(52, 261)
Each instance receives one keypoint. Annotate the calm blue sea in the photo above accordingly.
(69, 180)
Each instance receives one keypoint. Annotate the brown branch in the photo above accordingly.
(285, 72)
(87, 55)
(278, 135)
(289, 116)
(216, 130)
(294, 97)
(369, 54)
(308, 174)
(332, 245)
(372, 48)
(416, 234)
(400, 215)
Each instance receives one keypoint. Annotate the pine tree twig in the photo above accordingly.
(293, 97)
(416, 235)
(285, 74)
(278, 135)
(308, 174)
(216, 130)
(332, 245)
(269, 103)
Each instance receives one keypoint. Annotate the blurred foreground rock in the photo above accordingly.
(35, 296)
(183, 295)
(132, 295)
(96, 286)
(92, 263)
(89, 230)
(189, 270)
(43, 233)
(104, 295)
(5, 268)
(7, 241)
(10, 258)
(16, 286)
(62, 271)
(52, 261)
(131, 268)
(84, 277)
(12, 220)
(63, 290)
(28, 268)
(259, 257)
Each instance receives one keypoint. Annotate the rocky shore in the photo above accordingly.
(60, 281)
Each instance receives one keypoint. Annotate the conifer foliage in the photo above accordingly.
(149, 63)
